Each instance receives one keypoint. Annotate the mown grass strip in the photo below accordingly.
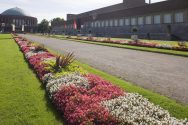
(22, 98)
(147, 49)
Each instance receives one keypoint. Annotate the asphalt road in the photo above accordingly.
(165, 74)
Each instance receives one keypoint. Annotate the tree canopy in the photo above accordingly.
(43, 27)
(57, 21)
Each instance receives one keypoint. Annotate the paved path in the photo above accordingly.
(165, 74)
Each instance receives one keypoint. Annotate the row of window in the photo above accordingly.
(141, 20)
(23, 22)
(18, 22)
(156, 19)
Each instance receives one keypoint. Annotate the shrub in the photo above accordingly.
(66, 60)
(182, 44)
(63, 62)
(71, 68)
(40, 47)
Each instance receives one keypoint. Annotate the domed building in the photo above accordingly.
(17, 20)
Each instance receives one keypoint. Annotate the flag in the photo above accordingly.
(75, 25)
(65, 25)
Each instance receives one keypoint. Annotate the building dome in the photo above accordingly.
(15, 12)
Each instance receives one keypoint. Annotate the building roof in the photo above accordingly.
(165, 6)
(113, 8)
(15, 12)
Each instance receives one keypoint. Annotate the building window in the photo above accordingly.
(17, 22)
(140, 20)
(115, 22)
(92, 24)
(96, 24)
(121, 22)
(179, 17)
(133, 21)
(111, 22)
(99, 23)
(167, 18)
(87, 24)
(23, 22)
(127, 22)
(106, 23)
(13, 21)
(102, 23)
(148, 20)
(157, 19)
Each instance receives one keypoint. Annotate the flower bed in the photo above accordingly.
(133, 43)
(84, 98)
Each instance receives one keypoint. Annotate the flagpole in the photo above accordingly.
(75, 25)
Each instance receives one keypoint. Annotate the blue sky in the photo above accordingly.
(50, 9)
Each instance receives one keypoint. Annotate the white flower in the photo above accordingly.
(47, 77)
(164, 46)
(32, 53)
(72, 79)
(136, 110)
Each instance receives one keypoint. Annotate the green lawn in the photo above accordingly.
(22, 97)
(156, 50)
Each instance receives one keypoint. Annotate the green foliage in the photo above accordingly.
(66, 60)
(62, 62)
(71, 68)
(57, 22)
(182, 44)
(43, 27)
(40, 47)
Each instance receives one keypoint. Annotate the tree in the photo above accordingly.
(43, 27)
(57, 22)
